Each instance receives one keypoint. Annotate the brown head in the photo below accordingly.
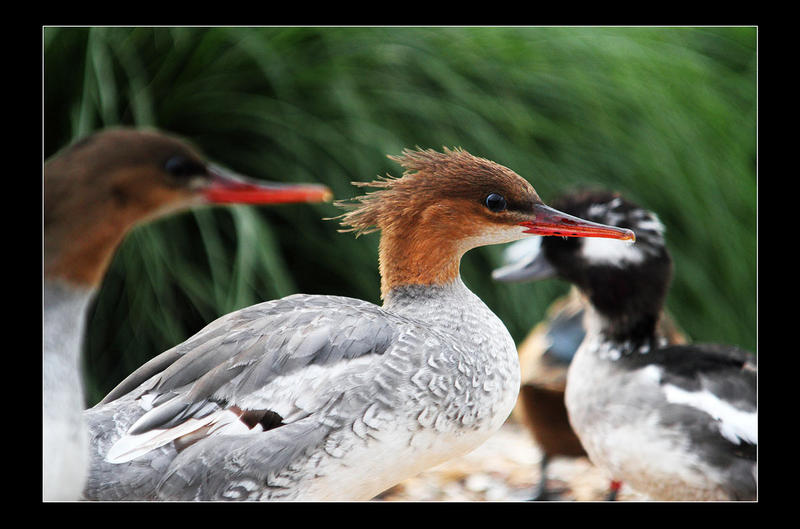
(98, 188)
(446, 204)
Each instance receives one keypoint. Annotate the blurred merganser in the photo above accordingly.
(674, 422)
(315, 397)
(94, 192)
(545, 355)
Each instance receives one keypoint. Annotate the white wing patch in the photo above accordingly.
(735, 425)
(129, 447)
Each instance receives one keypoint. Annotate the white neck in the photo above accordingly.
(64, 440)
(65, 308)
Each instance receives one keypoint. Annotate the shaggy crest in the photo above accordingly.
(421, 181)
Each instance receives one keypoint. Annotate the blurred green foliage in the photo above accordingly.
(667, 116)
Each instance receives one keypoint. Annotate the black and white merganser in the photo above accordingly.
(544, 357)
(315, 397)
(94, 191)
(674, 422)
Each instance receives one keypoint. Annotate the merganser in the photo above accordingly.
(315, 397)
(94, 192)
(674, 422)
(545, 355)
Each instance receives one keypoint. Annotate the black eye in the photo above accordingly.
(495, 203)
(183, 167)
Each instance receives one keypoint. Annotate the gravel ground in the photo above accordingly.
(505, 468)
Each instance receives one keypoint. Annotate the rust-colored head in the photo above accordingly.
(98, 188)
(447, 203)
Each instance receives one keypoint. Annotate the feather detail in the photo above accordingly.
(222, 422)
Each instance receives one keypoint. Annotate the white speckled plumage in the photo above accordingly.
(343, 398)
(446, 381)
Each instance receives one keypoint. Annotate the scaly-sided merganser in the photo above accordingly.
(315, 397)
(94, 192)
(544, 357)
(674, 422)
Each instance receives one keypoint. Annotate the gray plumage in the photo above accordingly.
(366, 396)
